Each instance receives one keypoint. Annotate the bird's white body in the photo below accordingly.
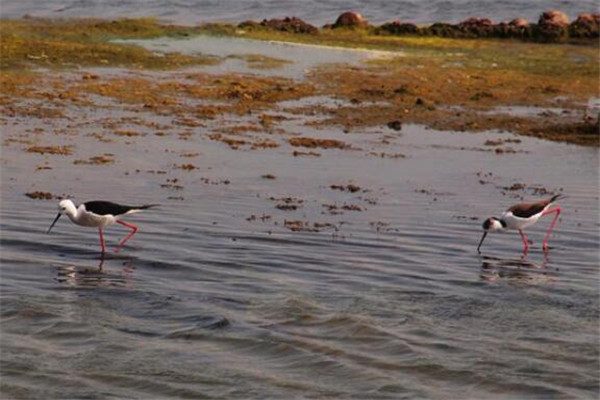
(81, 216)
(85, 218)
(517, 223)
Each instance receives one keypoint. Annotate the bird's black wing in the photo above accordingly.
(526, 210)
(106, 207)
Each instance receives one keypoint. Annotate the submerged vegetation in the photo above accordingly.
(445, 83)
(86, 42)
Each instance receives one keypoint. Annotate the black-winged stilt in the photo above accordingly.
(520, 216)
(99, 214)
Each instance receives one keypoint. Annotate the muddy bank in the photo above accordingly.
(443, 83)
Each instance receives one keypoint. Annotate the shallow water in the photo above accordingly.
(299, 59)
(316, 12)
(216, 298)
(207, 302)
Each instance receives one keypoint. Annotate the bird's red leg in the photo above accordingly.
(525, 243)
(102, 241)
(101, 262)
(556, 210)
(129, 235)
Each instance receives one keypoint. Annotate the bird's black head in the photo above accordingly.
(493, 224)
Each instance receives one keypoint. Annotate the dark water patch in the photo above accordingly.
(199, 330)
(63, 330)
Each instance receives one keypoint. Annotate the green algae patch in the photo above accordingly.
(68, 43)
(443, 83)
(548, 58)
(91, 29)
(456, 84)
(422, 79)
(262, 62)
(432, 93)
(238, 95)
(504, 55)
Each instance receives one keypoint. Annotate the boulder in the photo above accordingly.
(585, 26)
(398, 28)
(476, 22)
(292, 25)
(443, 30)
(517, 28)
(554, 18)
(506, 30)
(552, 25)
(476, 27)
(588, 18)
(519, 23)
(350, 19)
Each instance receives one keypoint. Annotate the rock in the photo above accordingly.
(476, 22)
(292, 25)
(477, 27)
(395, 125)
(442, 29)
(350, 19)
(398, 28)
(588, 19)
(552, 25)
(554, 18)
(517, 28)
(586, 25)
(519, 23)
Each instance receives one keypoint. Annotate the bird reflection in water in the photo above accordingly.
(516, 270)
(85, 276)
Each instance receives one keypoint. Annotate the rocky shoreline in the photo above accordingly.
(552, 26)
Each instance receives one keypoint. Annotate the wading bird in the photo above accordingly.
(99, 214)
(520, 216)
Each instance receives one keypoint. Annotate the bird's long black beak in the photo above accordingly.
(55, 219)
(483, 237)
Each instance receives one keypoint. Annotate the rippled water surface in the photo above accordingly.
(316, 12)
(203, 303)
(216, 298)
